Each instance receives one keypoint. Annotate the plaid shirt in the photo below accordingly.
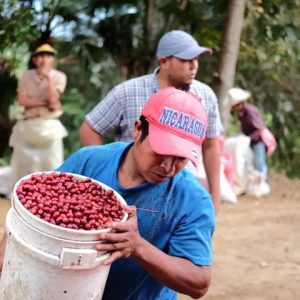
(123, 104)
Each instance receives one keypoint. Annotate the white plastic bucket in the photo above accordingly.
(46, 262)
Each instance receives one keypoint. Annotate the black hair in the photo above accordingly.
(144, 128)
(31, 64)
(42, 53)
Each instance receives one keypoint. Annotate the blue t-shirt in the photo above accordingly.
(176, 216)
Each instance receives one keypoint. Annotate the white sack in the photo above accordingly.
(239, 147)
(37, 146)
(226, 192)
(5, 181)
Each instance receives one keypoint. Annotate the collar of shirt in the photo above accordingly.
(40, 79)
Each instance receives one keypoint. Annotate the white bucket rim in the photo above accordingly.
(31, 218)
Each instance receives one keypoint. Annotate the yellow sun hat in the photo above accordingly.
(45, 48)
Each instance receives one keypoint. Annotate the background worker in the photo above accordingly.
(252, 124)
(177, 54)
(37, 136)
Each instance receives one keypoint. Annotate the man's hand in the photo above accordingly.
(123, 238)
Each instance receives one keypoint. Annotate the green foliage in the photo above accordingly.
(12, 30)
(14, 35)
(129, 30)
(268, 67)
(4, 161)
(74, 106)
(88, 81)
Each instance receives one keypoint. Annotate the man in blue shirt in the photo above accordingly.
(165, 246)
(167, 240)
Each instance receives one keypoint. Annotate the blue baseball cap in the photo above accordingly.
(180, 44)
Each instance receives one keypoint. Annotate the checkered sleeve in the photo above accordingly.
(214, 121)
(210, 103)
(106, 115)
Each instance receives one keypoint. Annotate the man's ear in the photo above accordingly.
(137, 130)
(163, 62)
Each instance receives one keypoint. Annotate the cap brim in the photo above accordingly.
(193, 52)
(44, 52)
(166, 143)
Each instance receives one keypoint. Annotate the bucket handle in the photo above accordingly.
(71, 258)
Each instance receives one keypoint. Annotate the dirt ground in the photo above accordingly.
(256, 245)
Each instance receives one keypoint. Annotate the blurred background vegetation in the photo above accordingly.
(101, 43)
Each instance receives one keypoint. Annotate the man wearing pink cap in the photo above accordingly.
(165, 245)
(177, 54)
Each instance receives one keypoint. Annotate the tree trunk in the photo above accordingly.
(150, 24)
(229, 55)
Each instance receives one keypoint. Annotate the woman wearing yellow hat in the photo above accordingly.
(37, 136)
(39, 89)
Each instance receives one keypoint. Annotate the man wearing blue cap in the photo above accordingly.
(177, 54)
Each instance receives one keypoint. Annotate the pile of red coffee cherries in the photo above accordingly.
(69, 202)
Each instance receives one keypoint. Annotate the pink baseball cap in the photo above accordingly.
(177, 123)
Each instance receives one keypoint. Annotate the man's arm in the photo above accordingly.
(88, 135)
(211, 160)
(176, 273)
